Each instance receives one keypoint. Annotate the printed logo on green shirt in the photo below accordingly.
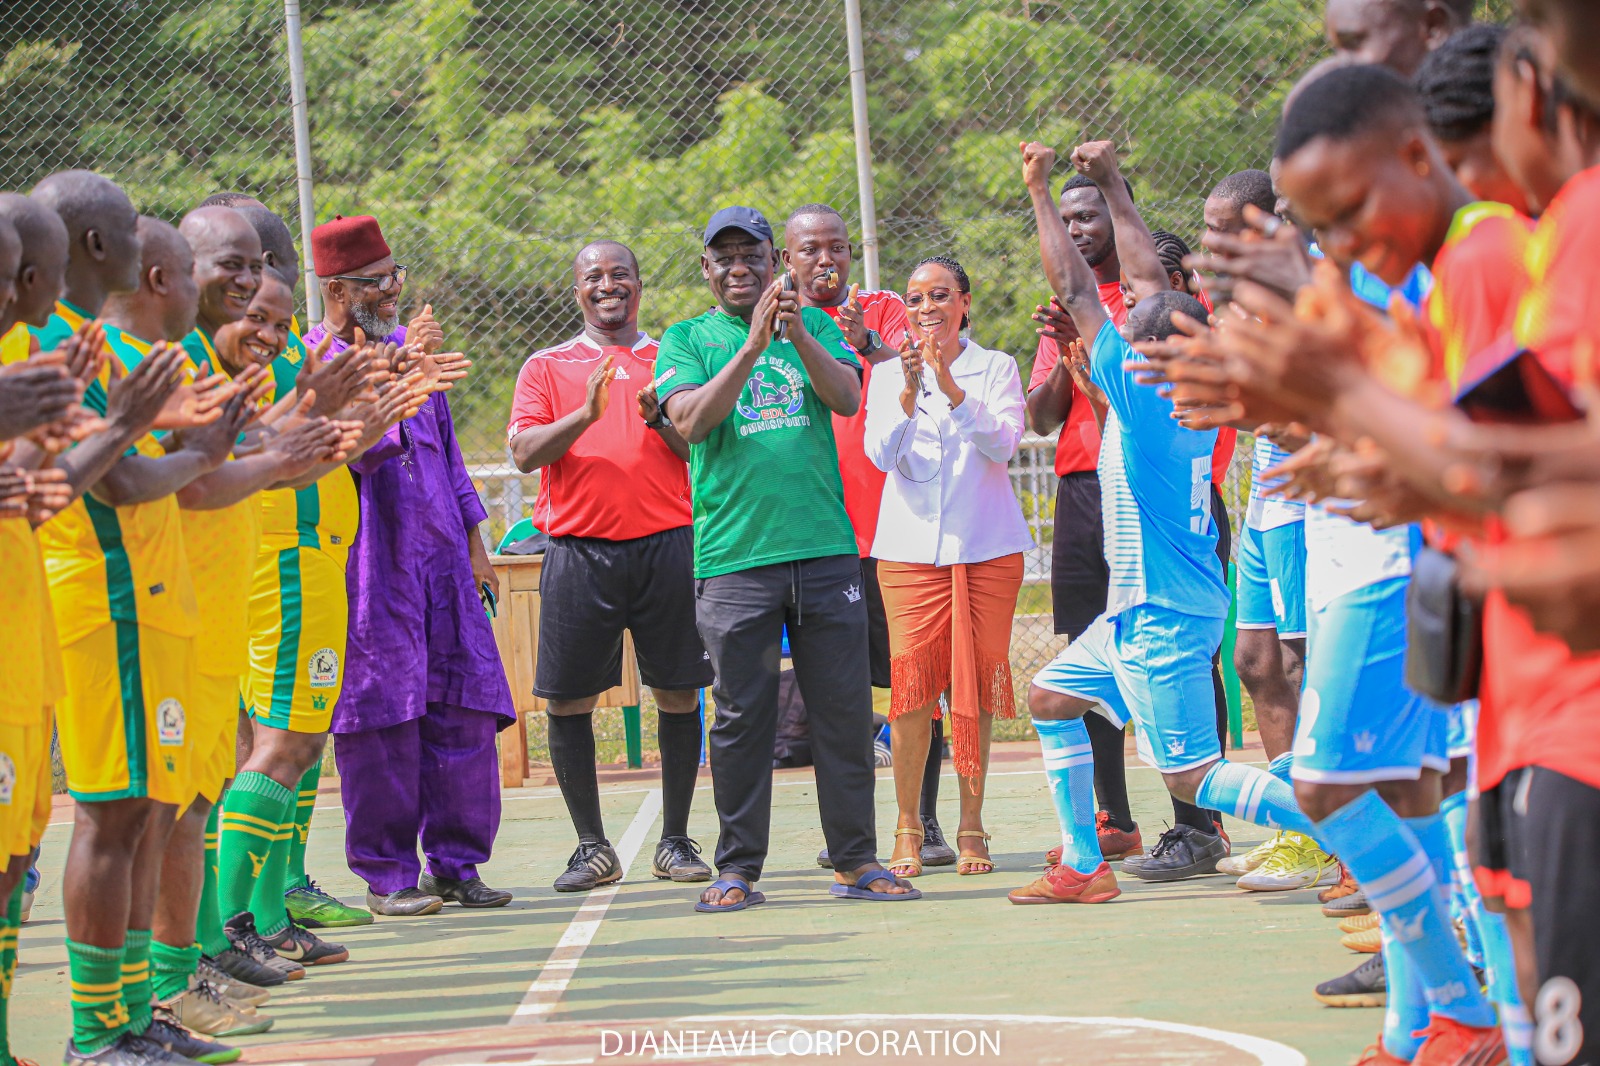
(772, 398)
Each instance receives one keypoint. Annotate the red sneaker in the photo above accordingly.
(1446, 1042)
(1115, 843)
(1062, 884)
(1347, 886)
(1053, 856)
(1376, 1055)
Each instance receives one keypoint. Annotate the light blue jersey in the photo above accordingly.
(1155, 488)
(1269, 512)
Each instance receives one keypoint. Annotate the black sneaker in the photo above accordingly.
(1183, 851)
(591, 865)
(936, 851)
(299, 944)
(125, 1050)
(1365, 986)
(678, 859)
(248, 944)
(234, 988)
(471, 892)
(176, 1040)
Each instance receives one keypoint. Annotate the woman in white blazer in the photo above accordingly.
(943, 422)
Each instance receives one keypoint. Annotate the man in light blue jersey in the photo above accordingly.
(1270, 649)
(1148, 657)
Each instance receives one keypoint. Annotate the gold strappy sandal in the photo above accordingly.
(910, 867)
(970, 864)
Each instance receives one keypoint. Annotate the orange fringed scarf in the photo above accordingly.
(950, 628)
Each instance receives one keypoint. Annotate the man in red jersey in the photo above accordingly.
(818, 254)
(614, 499)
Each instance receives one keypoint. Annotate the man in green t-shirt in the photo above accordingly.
(752, 385)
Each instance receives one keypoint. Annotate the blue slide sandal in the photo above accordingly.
(860, 891)
(750, 898)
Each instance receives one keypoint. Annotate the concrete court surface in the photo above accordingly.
(1191, 972)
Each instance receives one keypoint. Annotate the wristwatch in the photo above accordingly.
(661, 422)
(874, 342)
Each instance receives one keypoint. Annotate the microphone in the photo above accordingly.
(788, 286)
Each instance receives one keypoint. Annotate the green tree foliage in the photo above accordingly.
(493, 137)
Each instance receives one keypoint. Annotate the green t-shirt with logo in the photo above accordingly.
(766, 481)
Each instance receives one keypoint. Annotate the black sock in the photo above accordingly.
(679, 738)
(1190, 815)
(1110, 770)
(1219, 699)
(573, 759)
(930, 771)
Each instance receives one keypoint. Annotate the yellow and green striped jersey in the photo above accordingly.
(31, 679)
(119, 563)
(221, 545)
(323, 515)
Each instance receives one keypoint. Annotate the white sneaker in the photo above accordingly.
(1238, 865)
(1296, 863)
(27, 906)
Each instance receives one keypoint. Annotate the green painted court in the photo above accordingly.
(1191, 972)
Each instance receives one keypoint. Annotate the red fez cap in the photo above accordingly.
(346, 245)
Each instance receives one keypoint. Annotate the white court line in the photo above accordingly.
(544, 995)
(551, 792)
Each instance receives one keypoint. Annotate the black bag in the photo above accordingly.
(1444, 632)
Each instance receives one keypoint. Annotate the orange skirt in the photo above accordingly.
(950, 628)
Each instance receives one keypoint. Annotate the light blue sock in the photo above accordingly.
(1383, 853)
(1254, 795)
(1501, 970)
(1069, 766)
(1465, 901)
(1281, 766)
(1407, 1012)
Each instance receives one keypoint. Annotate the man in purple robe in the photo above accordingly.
(424, 691)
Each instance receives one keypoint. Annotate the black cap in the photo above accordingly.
(744, 219)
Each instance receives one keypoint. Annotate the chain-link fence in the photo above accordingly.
(492, 138)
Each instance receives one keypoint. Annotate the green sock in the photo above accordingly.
(252, 820)
(266, 900)
(304, 805)
(172, 967)
(98, 1016)
(136, 981)
(208, 932)
(10, 923)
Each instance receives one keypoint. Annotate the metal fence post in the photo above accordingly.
(302, 154)
(858, 110)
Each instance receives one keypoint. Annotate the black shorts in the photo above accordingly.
(1538, 849)
(877, 625)
(1079, 576)
(1224, 523)
(592, 589)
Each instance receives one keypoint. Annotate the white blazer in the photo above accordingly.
(948, 498)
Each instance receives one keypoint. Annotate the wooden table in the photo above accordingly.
(516, 631)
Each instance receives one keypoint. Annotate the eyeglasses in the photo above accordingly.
(384, 282)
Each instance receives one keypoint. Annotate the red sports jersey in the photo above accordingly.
(885, 312)
(1078, 446)
(1541, 703)
(619, 480)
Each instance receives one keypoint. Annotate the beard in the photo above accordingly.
(374, 325)
(1099, 255)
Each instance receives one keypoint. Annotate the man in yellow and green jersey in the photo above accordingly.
(297, 623)
(126, 616)
(31, 681)
(220, 518)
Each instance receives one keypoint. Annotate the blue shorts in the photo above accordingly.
(1358, 722)
(1272, 580)
(1152, 666)
(1461, 720)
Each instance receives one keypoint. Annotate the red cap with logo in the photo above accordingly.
(345, 245)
